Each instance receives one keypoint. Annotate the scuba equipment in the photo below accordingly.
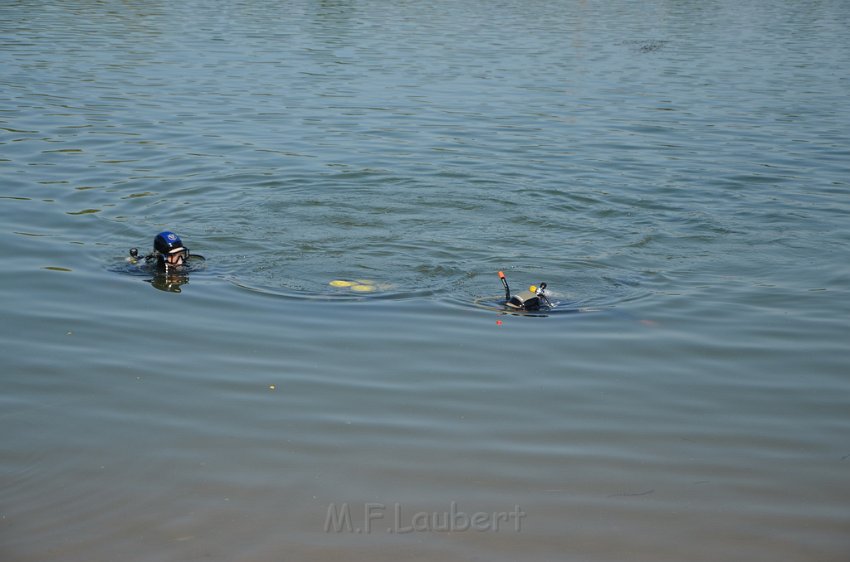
(532, 299)
(168, 252)
(175, 257)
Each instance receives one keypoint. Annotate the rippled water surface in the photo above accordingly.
(677, 172)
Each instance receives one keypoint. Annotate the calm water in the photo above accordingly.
(676, 171)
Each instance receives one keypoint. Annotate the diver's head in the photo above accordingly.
(532, 299)
(170, 249)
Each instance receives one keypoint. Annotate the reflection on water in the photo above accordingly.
(169, 281)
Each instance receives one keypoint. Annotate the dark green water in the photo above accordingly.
(676, 171)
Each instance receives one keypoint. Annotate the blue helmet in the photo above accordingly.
(166, 241)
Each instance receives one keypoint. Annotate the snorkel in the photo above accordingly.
(504, 282)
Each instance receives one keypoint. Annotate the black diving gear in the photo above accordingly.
(533, 299)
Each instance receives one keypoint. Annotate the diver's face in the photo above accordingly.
(176, 256)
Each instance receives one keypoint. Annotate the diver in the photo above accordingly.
(168, 255)
(534, 298)
(168, 264)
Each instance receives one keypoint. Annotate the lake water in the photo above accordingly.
(676, 171)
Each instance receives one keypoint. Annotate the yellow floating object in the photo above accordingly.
(360, 285)
(533, 288)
